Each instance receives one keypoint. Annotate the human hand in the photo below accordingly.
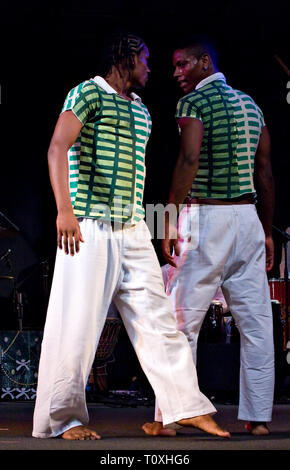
(69, 234)
(168, 245)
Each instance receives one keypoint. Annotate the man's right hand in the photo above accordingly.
(69, 234)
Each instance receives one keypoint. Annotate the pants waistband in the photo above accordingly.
(114, 224)
(244, 199)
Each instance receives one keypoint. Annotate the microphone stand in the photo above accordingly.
(19, 308)
(10, 224)
(285, 240)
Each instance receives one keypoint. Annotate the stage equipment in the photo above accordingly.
(285, 295)
(19, 364)
(212, 326)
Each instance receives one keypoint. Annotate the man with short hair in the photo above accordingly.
(224, 160)
(98, 189)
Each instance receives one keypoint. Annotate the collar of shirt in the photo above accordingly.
(211, 78)
(105, 85)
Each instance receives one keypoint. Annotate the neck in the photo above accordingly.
(211, 70)
(120, 82)
(205, 74)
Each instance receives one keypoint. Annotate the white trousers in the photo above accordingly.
(224, 245)
(121, 266)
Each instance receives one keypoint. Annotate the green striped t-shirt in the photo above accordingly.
(232, 126)
(107, 161)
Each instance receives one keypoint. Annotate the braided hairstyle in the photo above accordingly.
(119, 52)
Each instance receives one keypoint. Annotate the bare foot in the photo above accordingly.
(80, 433)
(205, 423)
(157, 429)
(257, 428)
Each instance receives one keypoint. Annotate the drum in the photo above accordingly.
(278, 323)
(108, 339)
(278, 294)
(277, 287)
(231, 332)
(212, 328)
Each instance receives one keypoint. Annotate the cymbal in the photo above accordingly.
(9, 278)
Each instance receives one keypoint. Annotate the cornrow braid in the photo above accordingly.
(120, 51)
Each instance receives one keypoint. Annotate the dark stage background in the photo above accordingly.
(46, 49)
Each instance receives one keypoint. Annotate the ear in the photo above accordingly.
(205, 60)
(134, 59)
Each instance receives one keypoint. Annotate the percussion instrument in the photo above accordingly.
(278, 299)
(108, 339)
(278, 290)
(211, 329)
(231, 332)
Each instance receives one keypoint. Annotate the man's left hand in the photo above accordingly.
(167, 245)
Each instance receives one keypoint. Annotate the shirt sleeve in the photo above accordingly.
(186, 108)
(83, 101)
(261, 116)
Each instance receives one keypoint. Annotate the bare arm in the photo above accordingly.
(266, 192)
(65, 134)
(183, 177)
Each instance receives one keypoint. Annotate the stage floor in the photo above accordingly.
(120, 428)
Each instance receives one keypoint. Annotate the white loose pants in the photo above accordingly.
(121, 266)
(225, 245)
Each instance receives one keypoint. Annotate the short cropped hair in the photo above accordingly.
(198, 46)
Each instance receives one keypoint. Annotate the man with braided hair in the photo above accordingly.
(96, 163)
